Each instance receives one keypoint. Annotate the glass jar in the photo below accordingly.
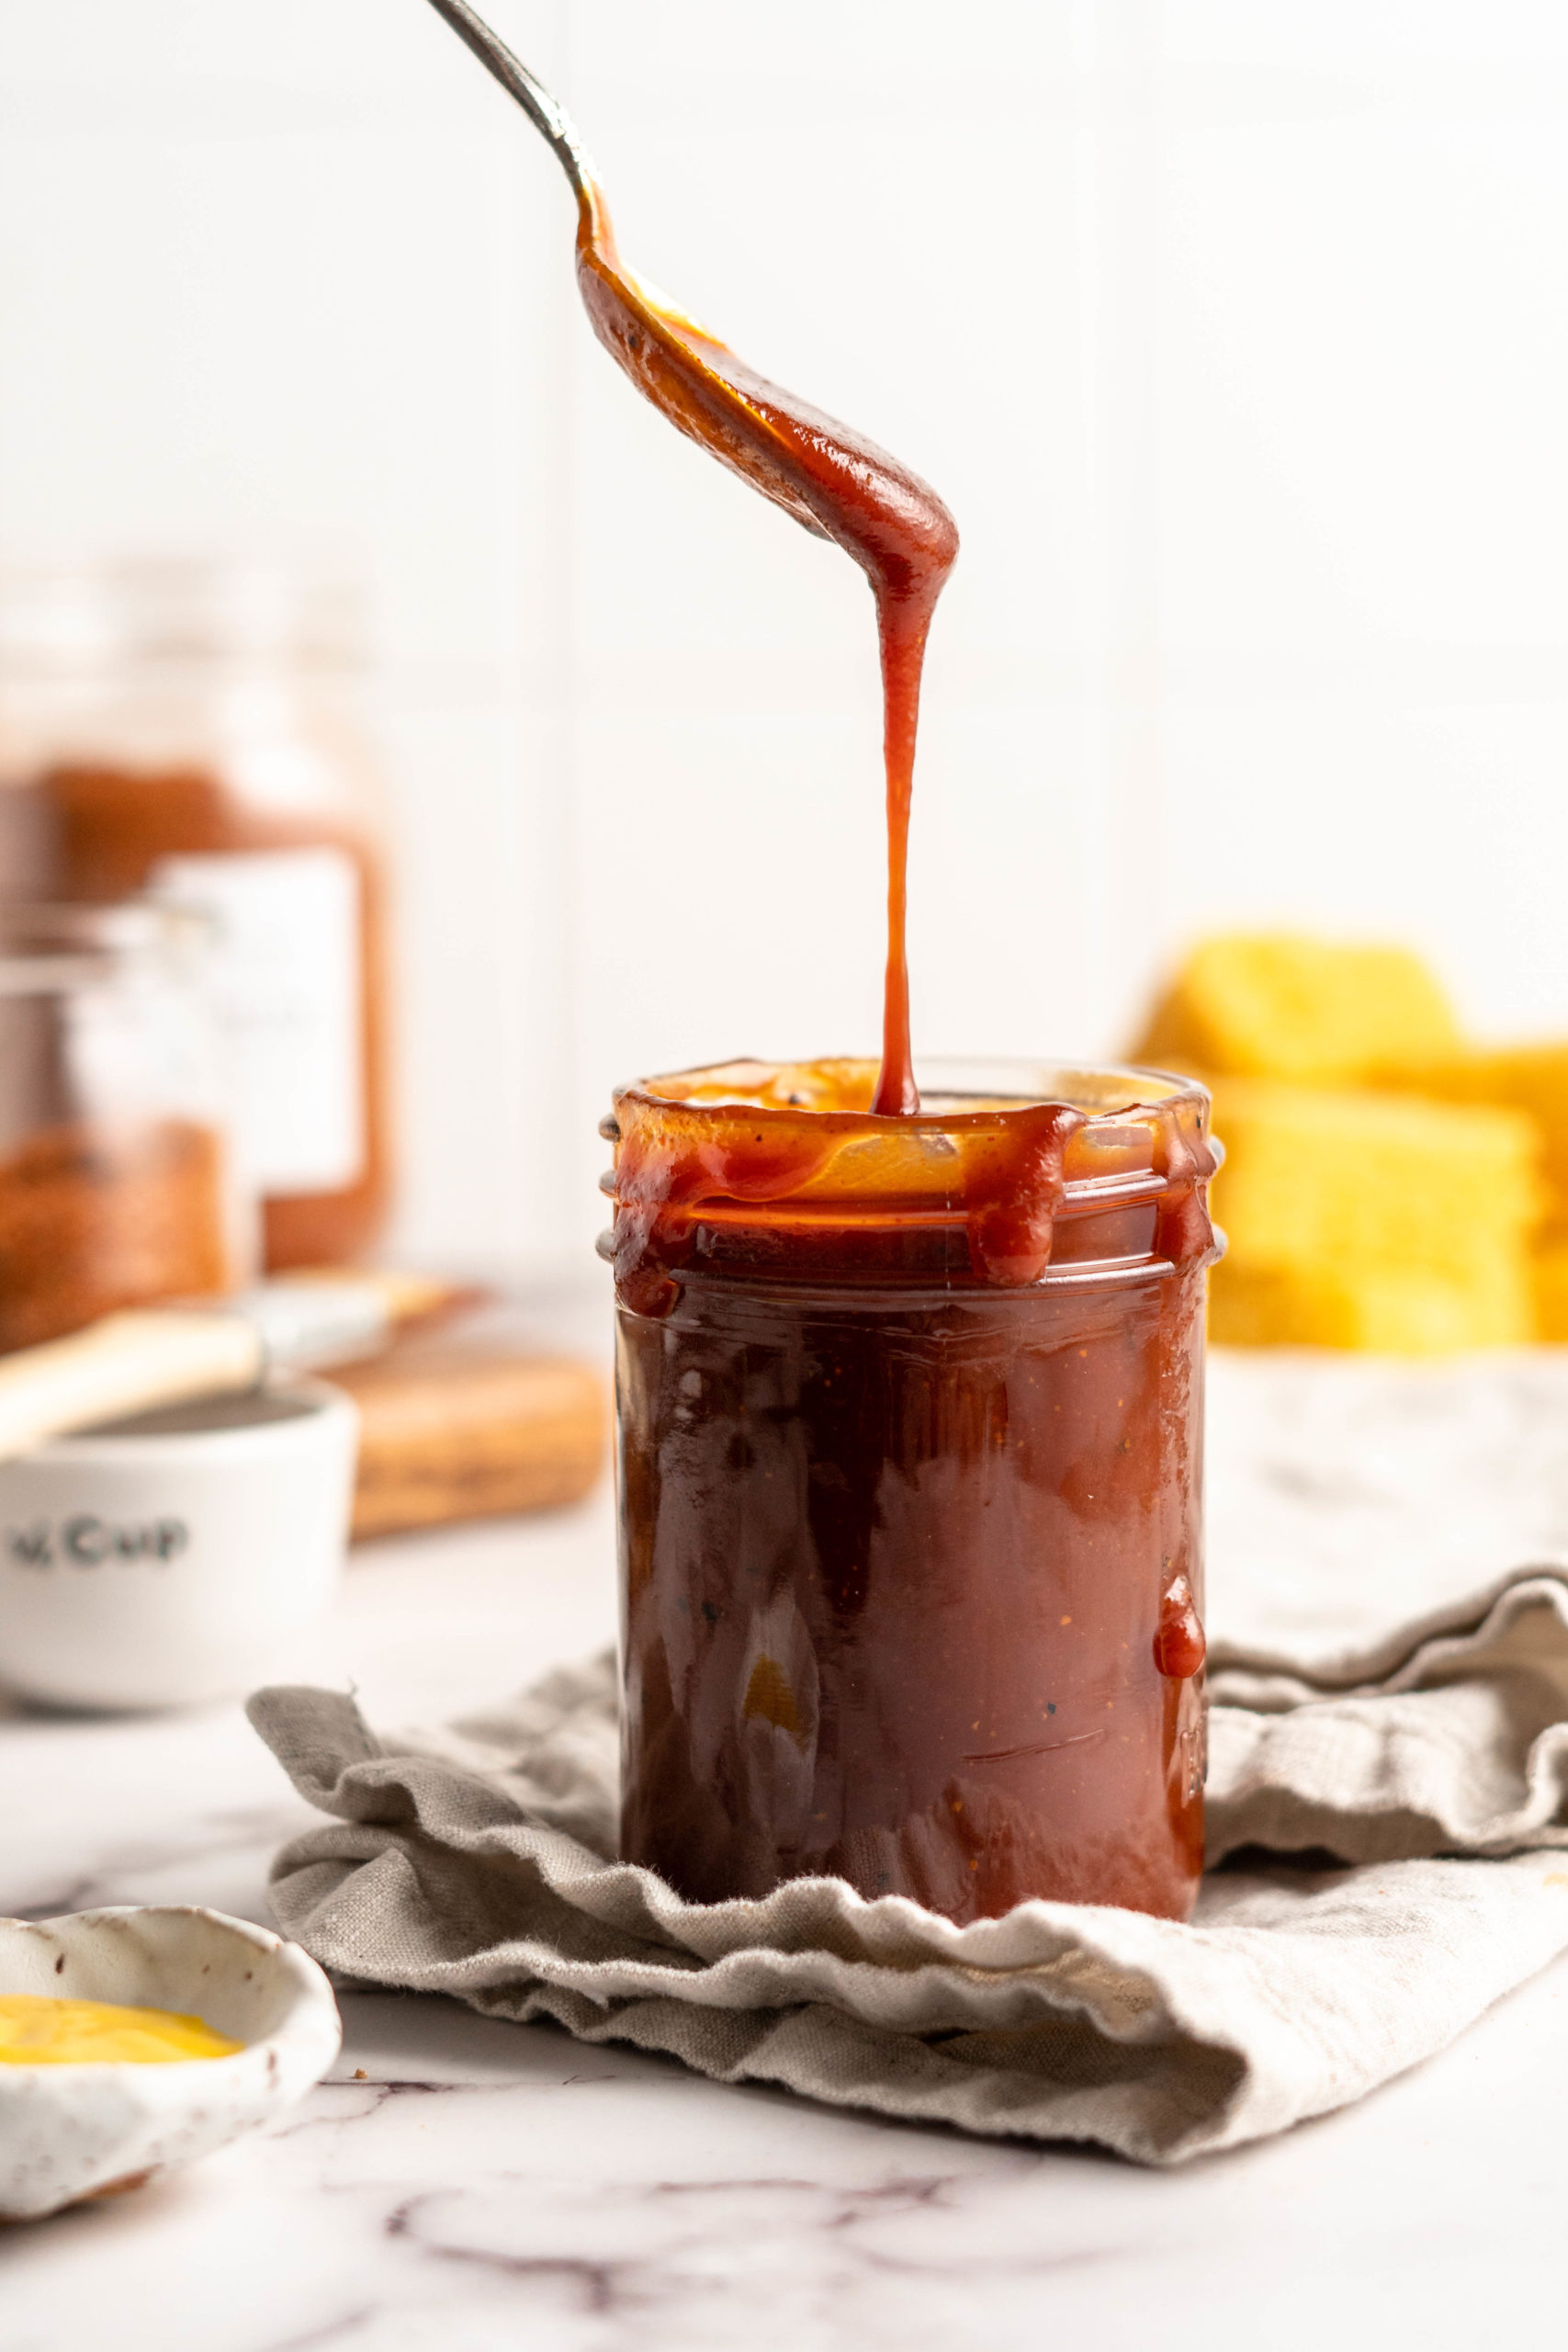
(909, 1450)
(187, 729)
(117, 1186)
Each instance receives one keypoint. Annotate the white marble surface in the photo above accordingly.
(463, 2185)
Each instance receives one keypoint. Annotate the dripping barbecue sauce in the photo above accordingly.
(909, 1399)
(840, 487)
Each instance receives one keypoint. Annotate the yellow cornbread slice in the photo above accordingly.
(1408, 1314)
(1550, 1271)
(1268, 1004)
(1362, 1220)
(1520, 1078)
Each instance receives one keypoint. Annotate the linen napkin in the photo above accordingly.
(1416, 1769)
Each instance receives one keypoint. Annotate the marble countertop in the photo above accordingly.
(462, 2184)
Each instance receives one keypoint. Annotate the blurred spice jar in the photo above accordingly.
(187, 731)
(115, 1183)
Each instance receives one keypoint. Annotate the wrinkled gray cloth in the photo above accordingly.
(476, 1864)
(1385, 1693)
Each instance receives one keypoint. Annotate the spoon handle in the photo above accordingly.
(542, 110)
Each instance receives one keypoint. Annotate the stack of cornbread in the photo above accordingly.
(1387, 1186)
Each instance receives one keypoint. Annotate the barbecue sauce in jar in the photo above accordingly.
(909, 1394)
(911, 1429)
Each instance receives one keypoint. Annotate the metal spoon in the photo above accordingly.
(542, 111)
(831, 479)
(682, 367)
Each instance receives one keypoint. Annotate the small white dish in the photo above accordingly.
(178, 1557)
(73, 2132)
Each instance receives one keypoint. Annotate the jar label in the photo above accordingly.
(287, 986)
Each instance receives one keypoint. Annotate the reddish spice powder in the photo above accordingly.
(95, 1218)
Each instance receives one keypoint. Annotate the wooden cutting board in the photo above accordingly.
(455, 1429)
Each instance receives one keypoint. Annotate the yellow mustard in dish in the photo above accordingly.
(37, 2029)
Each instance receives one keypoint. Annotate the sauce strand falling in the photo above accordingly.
(841, 487)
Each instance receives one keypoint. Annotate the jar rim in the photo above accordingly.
(762, 1166)
(48, 947)
(953, 1088)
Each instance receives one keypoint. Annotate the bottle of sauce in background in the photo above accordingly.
(185, 730)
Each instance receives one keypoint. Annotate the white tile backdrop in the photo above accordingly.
(1236, 336)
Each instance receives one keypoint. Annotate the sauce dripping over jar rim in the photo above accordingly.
(1011, 1173)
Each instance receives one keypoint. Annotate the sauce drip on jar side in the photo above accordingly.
(839, 486)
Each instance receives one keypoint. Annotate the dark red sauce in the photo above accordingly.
(909, 1399)
(910, 1427)
(836, 483)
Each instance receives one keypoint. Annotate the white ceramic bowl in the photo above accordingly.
(67, 2132)
(176, 1559)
